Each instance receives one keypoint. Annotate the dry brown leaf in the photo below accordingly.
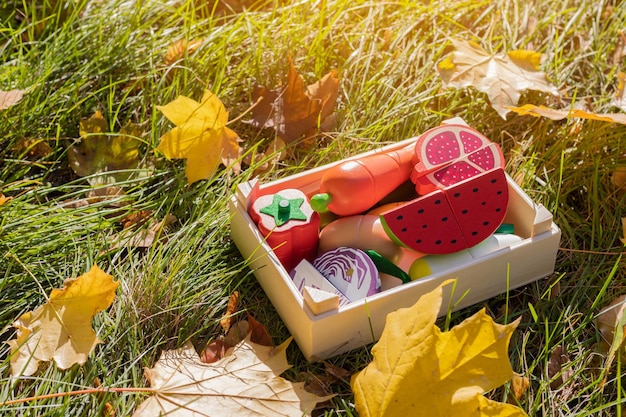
(180, 49)
(10, 98)
(553, 114)
(296, 109)
(245, 382)
(233, 305)
(556, 374)
(31, 148)
(502, 78)
(143, 238)
(619, 179)
(60, 329)
(258, 332)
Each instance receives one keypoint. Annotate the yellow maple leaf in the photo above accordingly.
(200, 136)
(555, 114)
(244, 382)
(61, 329)
(418, 370)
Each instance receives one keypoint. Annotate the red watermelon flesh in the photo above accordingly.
(449, 220)
(481, 160)
(426, 224)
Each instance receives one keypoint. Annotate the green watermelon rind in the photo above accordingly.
(391, 234)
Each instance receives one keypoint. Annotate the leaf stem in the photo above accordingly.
(77, 392)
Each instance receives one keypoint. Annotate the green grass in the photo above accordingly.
(107, 55)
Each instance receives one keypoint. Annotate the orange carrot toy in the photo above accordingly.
(357, 185)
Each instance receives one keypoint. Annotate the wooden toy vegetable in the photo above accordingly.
(450, 154)
(365, 232)
(357, 185)
(351, 271)
(289, 225)
(452, 219)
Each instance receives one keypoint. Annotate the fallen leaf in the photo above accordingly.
(519, 386)
(619, 100)
(216, 350)
(180, 49)
(200, 136)
(619, 179)
(258, 332)
(10, 98)
(3, 199)
(553, 114)
(245, 382)
(143, 238)
(557, 376)
(61, 329)
(136, 219)
(233, 304)
(31, 148)
(418, 370)
(502, 78)
(623, 239)
(102, 151)
(608, 323)
(295, 109)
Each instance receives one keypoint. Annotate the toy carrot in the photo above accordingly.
(357, 185)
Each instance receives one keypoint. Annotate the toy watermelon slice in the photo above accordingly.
(449, 220)
(450, 154)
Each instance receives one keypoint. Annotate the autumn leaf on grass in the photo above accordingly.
(102, 151)
(144, 238)
(554, 114)
(61, 329)
(245, 382)
(418, 370)
(295, 109)
(10, 98)
(200, 136)
(503, 78)
(180, 49)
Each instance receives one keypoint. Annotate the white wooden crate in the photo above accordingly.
(361, 322)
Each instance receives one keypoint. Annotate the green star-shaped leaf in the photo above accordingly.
(284, 209)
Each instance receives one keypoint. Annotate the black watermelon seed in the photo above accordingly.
(438, 242)
(498, 210)
(437, 201)
(475, 190)
(444, 219)
(420, 211)
(424, 226)
(484, 203)
(474, 233)
(453, 241)
(493, 181)
(400, 217)
(404, 229)
(464, 211)
(457, 194)
(485, 223)
(499, 192)
(418, 241)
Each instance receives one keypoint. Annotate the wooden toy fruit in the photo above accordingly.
(357, 185)
(289, 225)
(450, 154)
(452, 219)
